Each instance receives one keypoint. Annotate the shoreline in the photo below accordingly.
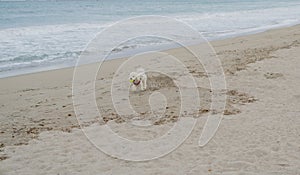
(126, 54)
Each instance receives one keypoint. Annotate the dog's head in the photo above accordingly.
(134, 78)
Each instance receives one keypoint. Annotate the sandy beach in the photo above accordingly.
(259, 133)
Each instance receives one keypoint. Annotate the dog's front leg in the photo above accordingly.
(145, 83)
(132, 87)
(142, 85)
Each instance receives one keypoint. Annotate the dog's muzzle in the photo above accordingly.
(135, 82)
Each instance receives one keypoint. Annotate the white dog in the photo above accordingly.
(138, 79)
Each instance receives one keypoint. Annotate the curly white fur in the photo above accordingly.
(138, 79)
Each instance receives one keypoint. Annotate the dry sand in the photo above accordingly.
(258, 135)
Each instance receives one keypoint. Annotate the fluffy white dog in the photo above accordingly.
(138, 79)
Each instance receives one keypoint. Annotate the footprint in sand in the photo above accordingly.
(270, 75)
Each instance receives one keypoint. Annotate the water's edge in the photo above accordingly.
(33, 70)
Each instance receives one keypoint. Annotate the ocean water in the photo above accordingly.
(43, 35)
